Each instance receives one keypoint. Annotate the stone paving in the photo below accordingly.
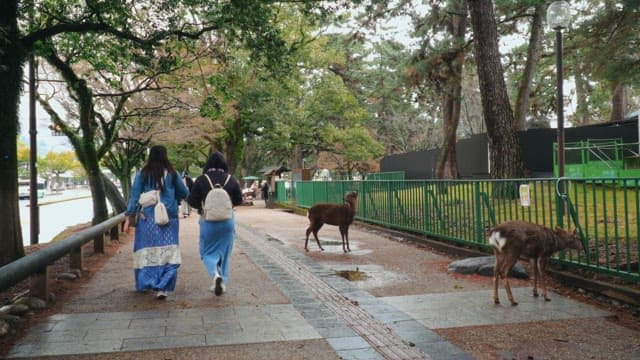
(320, 305)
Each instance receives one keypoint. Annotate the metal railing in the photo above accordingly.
(35, 265)
(604, 210)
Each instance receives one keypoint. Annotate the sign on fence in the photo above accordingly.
(525, 195)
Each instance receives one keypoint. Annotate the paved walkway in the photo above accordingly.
(284, 303)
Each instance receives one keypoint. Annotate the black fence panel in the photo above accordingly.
(536, 147)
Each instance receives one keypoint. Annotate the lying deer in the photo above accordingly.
(333, 214)
(515, 240)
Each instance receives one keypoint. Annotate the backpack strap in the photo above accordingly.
(209, 179)
(225, 182)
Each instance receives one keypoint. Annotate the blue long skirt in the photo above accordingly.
(156, 255)
(216, 244)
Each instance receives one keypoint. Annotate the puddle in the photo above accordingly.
(352, 275)
(367, 276)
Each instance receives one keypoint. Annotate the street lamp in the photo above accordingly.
(558, 18)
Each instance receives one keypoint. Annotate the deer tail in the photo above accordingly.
(496, 240)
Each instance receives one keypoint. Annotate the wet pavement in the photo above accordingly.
(280, 295)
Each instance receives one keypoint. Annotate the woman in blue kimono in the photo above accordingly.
(155, 249)
(216, 238)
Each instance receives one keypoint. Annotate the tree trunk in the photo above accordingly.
(118, 202)
(618, 102)
(503, 144)
(96, 185)
(234, 145)
(298, 159)
(447, 166)
(11, 59)
(524, 87)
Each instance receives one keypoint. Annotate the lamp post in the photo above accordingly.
(558, 18)
(34, 210)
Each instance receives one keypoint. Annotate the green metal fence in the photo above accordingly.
(604, 210)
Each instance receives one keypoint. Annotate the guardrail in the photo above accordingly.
(36, 265)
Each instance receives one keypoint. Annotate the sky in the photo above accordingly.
(45, 140)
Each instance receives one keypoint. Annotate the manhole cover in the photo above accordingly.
(352, 275)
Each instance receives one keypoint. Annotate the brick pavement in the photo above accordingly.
(277, 294)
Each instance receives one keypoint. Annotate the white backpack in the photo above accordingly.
(217, 204)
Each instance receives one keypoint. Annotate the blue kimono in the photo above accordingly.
(155, 250)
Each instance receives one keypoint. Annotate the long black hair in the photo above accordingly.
(157, 163)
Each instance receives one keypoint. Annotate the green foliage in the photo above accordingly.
(57, 163)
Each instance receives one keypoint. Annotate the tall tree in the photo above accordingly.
(446, 166)
(12, 57)
(56, 163)
(529, 71)
(504, 149)
(143, 26)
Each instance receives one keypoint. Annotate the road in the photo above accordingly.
(57, 212)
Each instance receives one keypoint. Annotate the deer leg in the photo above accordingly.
(543, 283)
(306, 240)
(534, 265)
(496, 274)
(346, 236)
(315, 234)
(506, 266)
(345, 239)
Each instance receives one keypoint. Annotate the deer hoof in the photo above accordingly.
(535, 294)
(514, 303)
(496, 301)
(546, 299)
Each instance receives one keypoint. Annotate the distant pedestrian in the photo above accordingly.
(265, 192)
(184, 205)
(216, 237)
(155, 250)
(254, 189)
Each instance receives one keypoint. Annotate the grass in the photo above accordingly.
(607, 213)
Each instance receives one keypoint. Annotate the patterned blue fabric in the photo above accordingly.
(156, 255)
(216, 244)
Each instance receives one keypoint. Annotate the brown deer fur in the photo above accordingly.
(515, 240)
(333, 214)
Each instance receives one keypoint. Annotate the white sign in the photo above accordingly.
(525, 195)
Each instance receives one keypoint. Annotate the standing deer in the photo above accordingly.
(515, 240)
(333, 214)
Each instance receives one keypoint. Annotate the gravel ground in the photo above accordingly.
(398, 267)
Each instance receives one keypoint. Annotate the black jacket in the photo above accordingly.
(201, 188)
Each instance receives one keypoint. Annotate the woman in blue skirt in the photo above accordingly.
(216, 237)
(155, 249)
